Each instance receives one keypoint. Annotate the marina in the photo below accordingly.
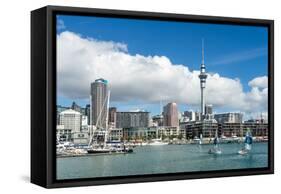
(162, 159)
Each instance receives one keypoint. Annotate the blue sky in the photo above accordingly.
(232, 51)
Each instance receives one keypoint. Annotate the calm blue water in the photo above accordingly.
(162, 159)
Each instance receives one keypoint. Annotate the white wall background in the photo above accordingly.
(15, 94)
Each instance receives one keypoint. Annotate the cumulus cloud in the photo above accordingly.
(140, 78)
(260, 82)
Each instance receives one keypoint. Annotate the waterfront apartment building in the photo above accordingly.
(148, 133)
(229, 129)
(132, 119)
(167, 132)
(208, 129)
(194, 129)
(99, 100)
(240, 129)
(170, 115)
(257, 128)
(70, 119)
(135, 133)
(229, 117)
(116, 134)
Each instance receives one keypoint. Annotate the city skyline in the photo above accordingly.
(252, 87)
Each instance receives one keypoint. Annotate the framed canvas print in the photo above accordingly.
(126, 96)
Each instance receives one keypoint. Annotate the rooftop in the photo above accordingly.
(70, 111)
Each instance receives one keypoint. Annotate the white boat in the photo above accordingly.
(216, 149)
(197, 140)
(157, 142)
(201, 138)
(247, 144)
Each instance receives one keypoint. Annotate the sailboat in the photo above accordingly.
(216, 149)
(105, 148)
(247, 144)
(201, 138)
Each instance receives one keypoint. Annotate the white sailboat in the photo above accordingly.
(247, 144)
(201, 138)
(106, 148)
(216, 149)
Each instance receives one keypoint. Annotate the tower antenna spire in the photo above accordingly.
(202, 50)
(202, 76)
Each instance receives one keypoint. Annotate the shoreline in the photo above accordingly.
(71, 155)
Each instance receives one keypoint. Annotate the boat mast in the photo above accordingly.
(99, 116)
(106, 120)
(91, 123)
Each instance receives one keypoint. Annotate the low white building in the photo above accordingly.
(115, 134)
(80, 138)
(70, 119)
(167, 131)
(63, 134)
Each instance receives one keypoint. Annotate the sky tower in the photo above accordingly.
(202, 76)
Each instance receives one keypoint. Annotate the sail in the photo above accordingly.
(216, 141)
(248, 141)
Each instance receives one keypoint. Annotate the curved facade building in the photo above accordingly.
(171, 117)
(99, 98)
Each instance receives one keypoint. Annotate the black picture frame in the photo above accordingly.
(43, 95)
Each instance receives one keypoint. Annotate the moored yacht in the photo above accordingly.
(157, 142)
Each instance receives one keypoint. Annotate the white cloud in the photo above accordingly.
(144, 78)
(260, 82)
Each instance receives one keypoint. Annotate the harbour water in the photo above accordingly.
(162, 159)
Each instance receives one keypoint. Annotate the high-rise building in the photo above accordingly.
(208, 112)
(76, 107)
(190, 115)
(171, 115)
(132, 119)
(112, 116)
(198, 116)
(209, 109)
(202, 76)
(87, 112)
(70, 119)
(99, 100)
